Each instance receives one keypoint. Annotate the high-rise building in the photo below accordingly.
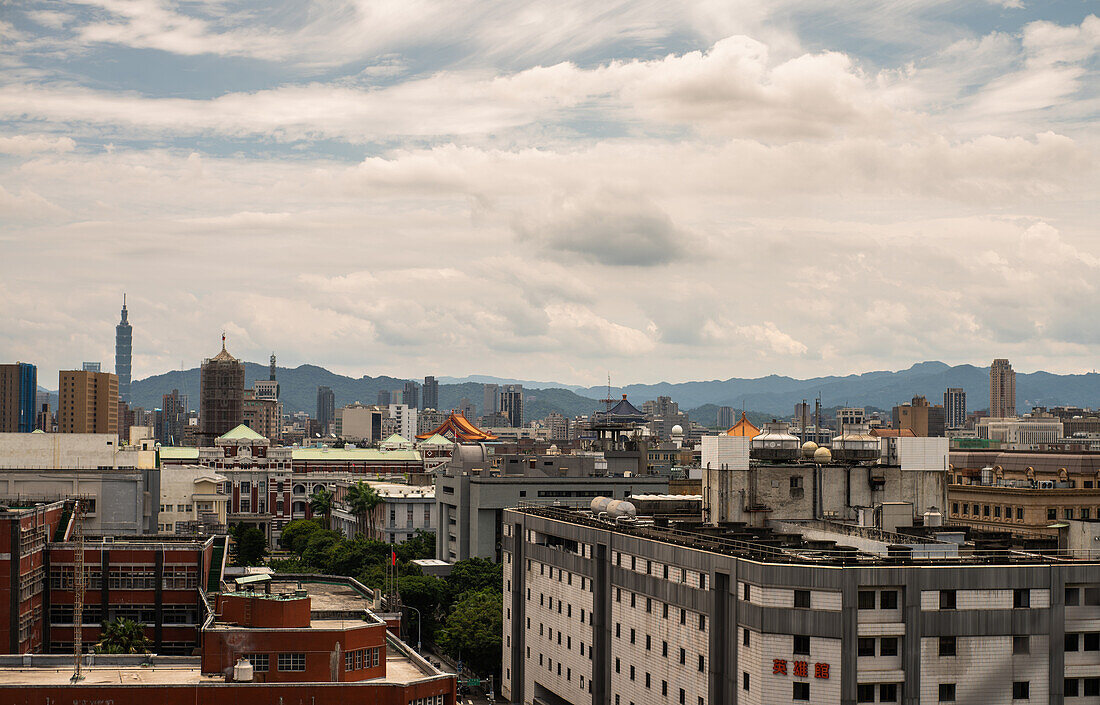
(123, 349)
(18, 395)
(491, 404)
(221, 396)
(725, 416)
(466, 408)
(384, 397)
(173, 417)
(326, 408)
(1002, 389)
(920, 417)
(411, 395)
(431, 393)
(87, 402)
(954, 407)
(511, 404)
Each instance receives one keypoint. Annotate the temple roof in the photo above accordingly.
(395, 439)
(743, 428)
(240, 433)
(458, 428)
(625, 409)
(437, 440)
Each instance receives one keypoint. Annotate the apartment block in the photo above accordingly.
(87, 402)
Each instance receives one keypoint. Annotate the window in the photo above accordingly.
(1021, 690)
(865, 646)
(745, 638)
(865, 693)
(745, 680)
(1072, 642)
(888, 693)
(802, 599)
(1092, 596)
(1092, 687)
(1070, 687)
(954, 507)
(702, 622)
(985, 510)
(292, 662)
(1091, 641)
(866, 600)
(888, 600)
(1052, 514)
(888, 646)
(947, 693)
(1073, 596)
(1021, 599)
(746, 597)
(1021, 645)
(802, 644)
(702, 664)
(1019, 513)
(997, 512)
(947, 599)
(260, 662)
(1084, 512)
(1069, 513)
(801, 691)
(947, 646)
(683, 656)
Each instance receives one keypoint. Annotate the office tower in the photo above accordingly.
(511, 404)
(87, 402)
(384, 397)
(91, 367)
(431, 393)
(411, 395)
(326, 408)
(466, 408)
(123, 349)
(1002, 389)
(221, 396)
(173, 417)
(954, 407)
(725, 416)
(18, 397)
(491, 405)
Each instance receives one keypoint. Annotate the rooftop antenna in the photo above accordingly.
(608, 401)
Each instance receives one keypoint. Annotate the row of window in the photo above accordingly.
(127, 577)
(1021, 645)
(1081, 687)
(288, 662)
(672, 573)
(360, 659)
(1021, 599)
(887, 692)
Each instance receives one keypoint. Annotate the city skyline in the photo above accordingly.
(651, 189)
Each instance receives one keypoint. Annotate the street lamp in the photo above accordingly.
(418, 621)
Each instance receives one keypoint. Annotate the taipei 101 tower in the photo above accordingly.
(123, 348)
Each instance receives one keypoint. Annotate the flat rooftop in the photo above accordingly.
(840, 547)
(324, 596)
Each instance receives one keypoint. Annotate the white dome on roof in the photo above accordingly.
(677, 430)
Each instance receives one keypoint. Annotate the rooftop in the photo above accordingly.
(840, 544)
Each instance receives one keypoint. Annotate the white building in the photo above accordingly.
(1020, 433)
(404, 420)
(405, 509)
(191, 497)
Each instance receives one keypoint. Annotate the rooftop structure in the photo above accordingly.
(459, 429)
(743, 428)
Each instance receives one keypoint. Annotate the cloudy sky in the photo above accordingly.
(665, 190)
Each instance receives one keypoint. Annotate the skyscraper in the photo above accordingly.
(1002, 389)
(411, 395)
(123, 349)
(18, 395)
(431, 393)
(221, 396)
(87, 402)
(384, 397)
(954, 407)
(725, 416)
(326, 408)
(173, 417)
(511, 404)
(491, 403)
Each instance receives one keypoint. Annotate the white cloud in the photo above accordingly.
(23, 145)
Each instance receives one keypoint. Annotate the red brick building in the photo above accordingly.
(24, 534)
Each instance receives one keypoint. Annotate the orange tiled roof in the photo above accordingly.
(743, 428)
(893, 432)
(458, 428)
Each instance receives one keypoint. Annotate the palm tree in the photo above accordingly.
(123, 636)
(321, 503)
(363, 500)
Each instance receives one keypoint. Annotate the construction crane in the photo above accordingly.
(78, 590)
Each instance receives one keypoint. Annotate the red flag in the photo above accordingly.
(393, 556)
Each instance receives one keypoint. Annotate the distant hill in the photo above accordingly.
(765, 396)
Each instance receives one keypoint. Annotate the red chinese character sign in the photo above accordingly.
(801, 669)
(821, 670)
(779, 666)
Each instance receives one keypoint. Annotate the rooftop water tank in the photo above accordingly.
(808, 450)
(774, 443)
(856, 444)
(621, 508)
(242, 671)
(822, 456)
(599, 505)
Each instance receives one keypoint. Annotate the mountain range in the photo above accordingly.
(771, 395)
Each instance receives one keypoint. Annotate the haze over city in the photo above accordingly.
(670, 191)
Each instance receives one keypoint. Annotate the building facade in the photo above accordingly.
(326, 409)
(411, 395)
(87, 402)
(18, 397)
(954, 407)
(431, 393)
(511, 404)
(600, 612)
(221, 396)
(1002, 389)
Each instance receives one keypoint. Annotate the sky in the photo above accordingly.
(660, 190)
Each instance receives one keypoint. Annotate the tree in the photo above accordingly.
(363, 500)
(473, 631)
(428, 595)
(321, 503)
(418, 546)
(297, 533)
(249, 545)
(475, 575)
(123, 636)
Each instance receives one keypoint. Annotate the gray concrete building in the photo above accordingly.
(475, 488)
(651, 610)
